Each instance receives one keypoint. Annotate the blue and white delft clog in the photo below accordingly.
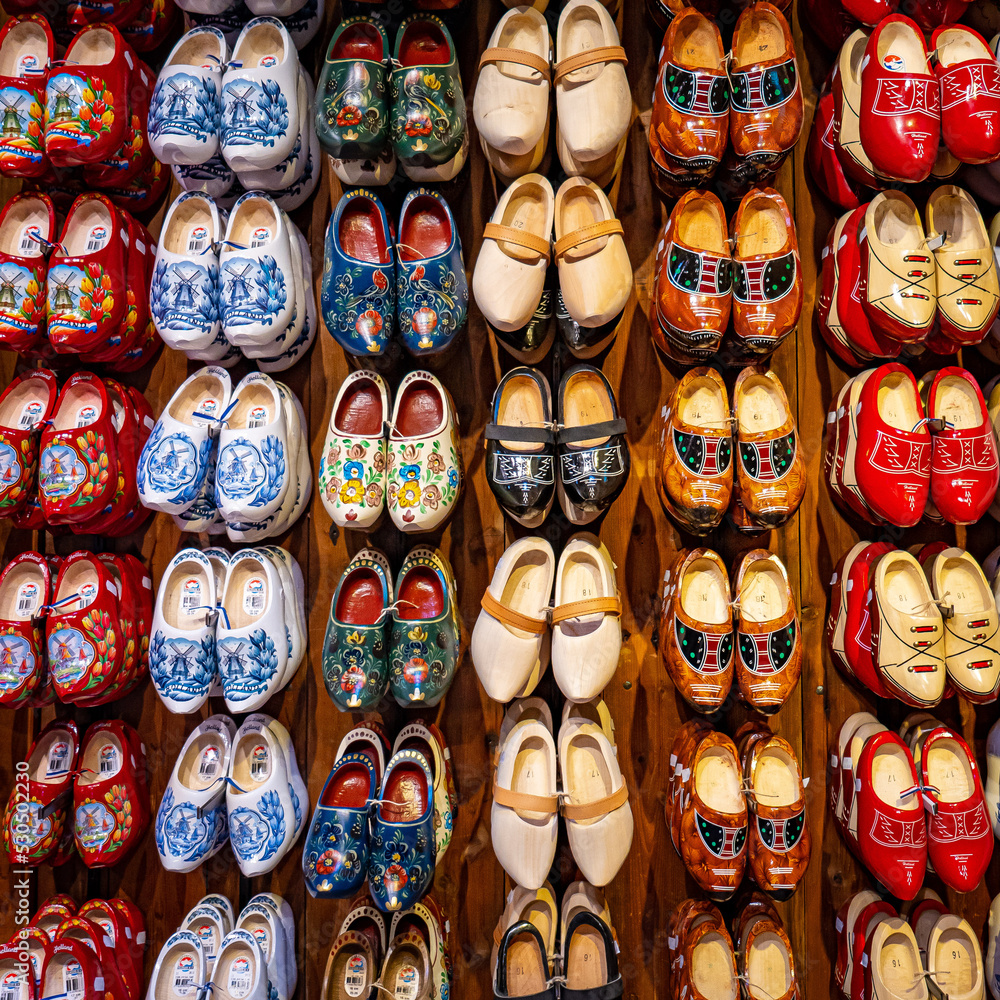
(182, 655)
(295, 347)
(264, 923)
(240, 968)
(297, 790)
(180, 967)
(174, 461)
(280, 906)
(191, 822)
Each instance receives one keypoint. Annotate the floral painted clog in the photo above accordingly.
(27, 403)
(335, 855)
(185, 110)
(34, 821)
(358, 295)
(401, 862)
(86, 98)
(427, 121)
(432, 290)
(424, 468)
(110, 797)
(352, 472)
(355, 668)
(191, 821)
(352, 116)
(26, 49)
(429, 740)
(27, 229)
(425, 642)
(174, 463)
(182, 653)
(25, 585)
(429, 921)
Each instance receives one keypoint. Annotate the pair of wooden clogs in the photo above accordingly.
(528, 799)
(733, 806)
(517, 75)
(700, 479)
(706, 637)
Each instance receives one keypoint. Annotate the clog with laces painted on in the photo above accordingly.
(429, 740)
(241, 968)
(967, 287)
(27, 227)
(353, 91)
(29, 837)
(358, 294)
(253, 472)
(425, 639)
(191, 821)
(260, 113)
(432, 291)
(900, 113)
(355, 668)
(427, 122)
(424, 467)
(183, 293)
(250, 635)
(93, 77)
(25, 588)
(110, 796)
(256, 290)
(352, 474)
(511, 637)
(854, 160)
(26, 49)
(182, 653)
(338, 842)
(25, 405)
(174, 463)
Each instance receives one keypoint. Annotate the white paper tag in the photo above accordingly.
(58, 759)
(263, 939)
(208, 407)
(10, 986)
(110, 759)
(197, 239)
(73, 980)
(183, 983)
(31, 415)
(354, 975)
(260, 763)
(208, 766)
(98, 238)
(206, 933)
(258, 417)
(407, 982)
(261, 235)
(87, 591)
(191, 595)
(239, 978)
(254, 596)
(936, 242)
(86, 415)
(29, 65)
(269, 61)
(28, 245)
(28, 596)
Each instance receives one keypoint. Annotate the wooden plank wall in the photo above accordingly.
(470, 884)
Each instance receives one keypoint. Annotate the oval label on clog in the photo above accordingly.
(10, 986)
(208, 767)
(268, 62)
(354, 975)
(893, 62)
(88, 591)
(191, 595)
(27, 600)
(97, 238)
(239, 978)
(260, 236)
(58, 759)
(110, 760)
(183, 982)
(86, 415)
(254, 596)
(407, 983)
(73, 979)
(260, 762)
(257, 417)
(31, 413)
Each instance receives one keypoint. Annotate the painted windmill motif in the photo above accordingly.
(179, 99)
(63, 300)
(184, 292)
(233, 657)
(242, 111)
(62, 111)
(11, 128)
(240, 287)
(8, 288)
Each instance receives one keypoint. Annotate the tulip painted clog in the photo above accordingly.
(26, 49)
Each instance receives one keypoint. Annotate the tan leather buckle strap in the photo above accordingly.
(600, 54)
(519, 56)
(511, 617)
(607, 227)
(508, 234)
(591, 810)
(523, 802)
(591, 606)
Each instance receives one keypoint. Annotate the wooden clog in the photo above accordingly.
(821, 156)
(524, 943)
(25, 406)
(764, 954)
(26, 49)
(27, 231)
(589, 944)
(953, 953)
(695, 458)
(850, 152)
(407, 967)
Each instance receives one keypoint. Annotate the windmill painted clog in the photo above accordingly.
(110, 797)
(427, 120)
(425, 641)
(355, 665)
(424, 467)
(182, 653)
(25, 589)
(358, 295)
(260, 117)
(336, 852)
(352, 96)
(401, 860)
(25, 405)
(429, 740)
(26, 49)
(31, 833)
(86, 98)
(251, 640)
(432, 291)
(27, 229)
(174, 462)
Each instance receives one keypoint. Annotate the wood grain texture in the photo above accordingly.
(646, 709)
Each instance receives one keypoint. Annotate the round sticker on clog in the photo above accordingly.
(10, 986)
(58, 759)
(893, 62)
(407, 983)
(197, 239)
(261, 937)
(110, 759)
(73, 979)
(268, 61)
(88, 591)
(260, 236)
(239, 978)
(183, 982)
(28, 65)
(27, 599)
(31, 414)
(260, 762)
(191, 595)
(354, 975)
(208, 767)
(97, 238)
(87, 414)
(254, 595)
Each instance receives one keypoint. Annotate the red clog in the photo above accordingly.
(85, 645)
(87, 277)
(134, 945)
(86, 95)
(78, 468)
(113, 925)
(826, 315)
(959, 836)
(929, 14)
(117, 12)
(25, 405)
(133, 518)
(50, 915)
(893, 459)
(24, 591)
(29, 837)
(81, 929)
(71, 969)
(868, 11)
(27, 225)
(151, 25)
(821, 156)
(26, 49)
(965, 468)
(858, 627)
(110, 797)
(900, 102)
(892, 833)
(17, 980)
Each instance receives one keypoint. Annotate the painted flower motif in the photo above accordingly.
(418, 125)
(380, 281)
(333, 455)
(396, 851)
(373, 495)
(355, 452)
(393, 491)
(350, 862)
(350, 114)
(409, 453)
(378, 460)
(354, 469)
(453, 478)
(352, 491)
(395, 875)
(369, 324)
(418, 272)
(409, 495)
(431, 81)
(356, 638)
(417, 634)
(410, 472)
(332, 486)
(326, 863)
(342, 285)
(431, 497)
(435, 463)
